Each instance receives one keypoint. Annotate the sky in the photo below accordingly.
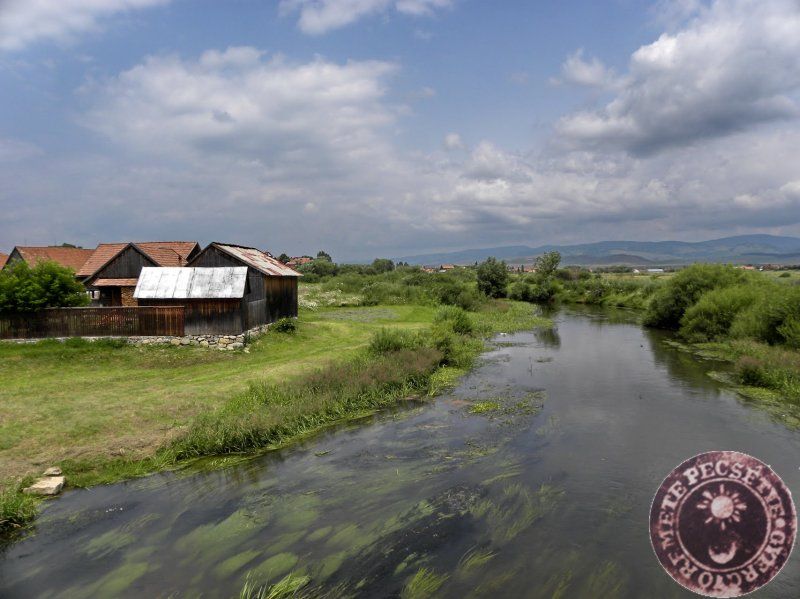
(394, 127)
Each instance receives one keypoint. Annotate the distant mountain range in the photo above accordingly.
(742, 249)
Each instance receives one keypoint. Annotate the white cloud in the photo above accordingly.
(24, 22)
(321, 16)
(730, 68)
(452, 141)
(590, 73)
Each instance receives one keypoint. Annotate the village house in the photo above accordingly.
(3, 258)
(296, 261)
(112, 271)
(272, 285)
(70, 257)
(213, 298)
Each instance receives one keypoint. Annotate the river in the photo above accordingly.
(532, 479)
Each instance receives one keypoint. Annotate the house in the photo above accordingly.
(272, 292)
(295, 261)
(112, 271)
(213, 298)
(3, 258)
(655, 270)
(446, 267)
(70, 257)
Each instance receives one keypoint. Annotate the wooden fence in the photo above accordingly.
(94, 322)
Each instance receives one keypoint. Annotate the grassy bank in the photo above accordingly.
(121, 412)
(749, 318)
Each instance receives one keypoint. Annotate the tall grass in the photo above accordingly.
(16, 510)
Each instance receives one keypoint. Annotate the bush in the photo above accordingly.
(284, 325)
(539, 290)
(773, 318)
(711, 318)
(457, 318)
(386, 341)
(683, 290)
(751, 372)
(46, 285)
(492, 278)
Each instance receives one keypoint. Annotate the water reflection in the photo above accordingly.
(500, 489)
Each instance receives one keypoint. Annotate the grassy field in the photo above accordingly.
(82, 400)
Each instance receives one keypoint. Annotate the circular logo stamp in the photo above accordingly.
(723, 524)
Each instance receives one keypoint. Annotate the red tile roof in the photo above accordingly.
(3, 258)
(163, 253)
(73, 258)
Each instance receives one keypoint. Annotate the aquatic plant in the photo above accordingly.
(423, 584)
(286, 587)
(482, 407)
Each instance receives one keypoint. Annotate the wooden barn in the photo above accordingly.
(272, 285)
(213, 298)
(112, 271)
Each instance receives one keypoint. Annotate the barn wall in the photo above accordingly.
(127, 264)
(208, 316)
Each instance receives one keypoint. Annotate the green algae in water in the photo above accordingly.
(474, 558)
(606, 580)
(516, 509)
(288, 586)
(319, 534)
(232, 564)
(108, 543)
(482, 407)
(423, 584)
(275, 566)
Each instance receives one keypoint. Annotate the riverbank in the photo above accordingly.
(749, 319)
(174, 405)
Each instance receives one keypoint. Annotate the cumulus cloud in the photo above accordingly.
(24, 22)
(589, 73)
(321, 16)
(730, 68)
(241, 104)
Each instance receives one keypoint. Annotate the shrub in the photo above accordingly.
(457, 318)
(46, 285)
(773, 318)
(386, 341)
(492, 278)
(711, 318)
(784, 275)
(284, 325)
(683, 290)
(751, 372)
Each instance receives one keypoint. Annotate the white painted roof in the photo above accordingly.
(191, 283)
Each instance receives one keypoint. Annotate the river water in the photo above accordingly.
(532, 479)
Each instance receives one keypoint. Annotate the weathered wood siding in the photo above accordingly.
(208, 316)
(127, 264)
(269, 299)
(93, 322)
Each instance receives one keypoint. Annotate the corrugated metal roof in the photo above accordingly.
(115, 283)
(259, 260)
(191, 283)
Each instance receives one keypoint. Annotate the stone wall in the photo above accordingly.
(222, 342)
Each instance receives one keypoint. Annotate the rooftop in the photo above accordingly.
(73, 258)
(192, 283)
(258, 259)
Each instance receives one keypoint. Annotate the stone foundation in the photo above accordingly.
(223, 342)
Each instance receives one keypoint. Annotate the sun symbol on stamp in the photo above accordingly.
(722, 507)
(723, 524)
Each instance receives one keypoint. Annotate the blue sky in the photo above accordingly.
(390, 127)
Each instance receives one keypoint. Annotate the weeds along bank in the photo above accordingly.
(393, 363)
(746, 317)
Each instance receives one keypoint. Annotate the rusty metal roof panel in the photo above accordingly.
(259, 260)
(192, 283)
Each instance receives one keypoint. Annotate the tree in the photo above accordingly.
(46, 285)
(493, 277)
(323, 255)
(382, 265)
(284, 258)
(547, 263)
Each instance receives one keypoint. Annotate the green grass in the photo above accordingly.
(109, 412)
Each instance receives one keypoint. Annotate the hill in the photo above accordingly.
(738, 249)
